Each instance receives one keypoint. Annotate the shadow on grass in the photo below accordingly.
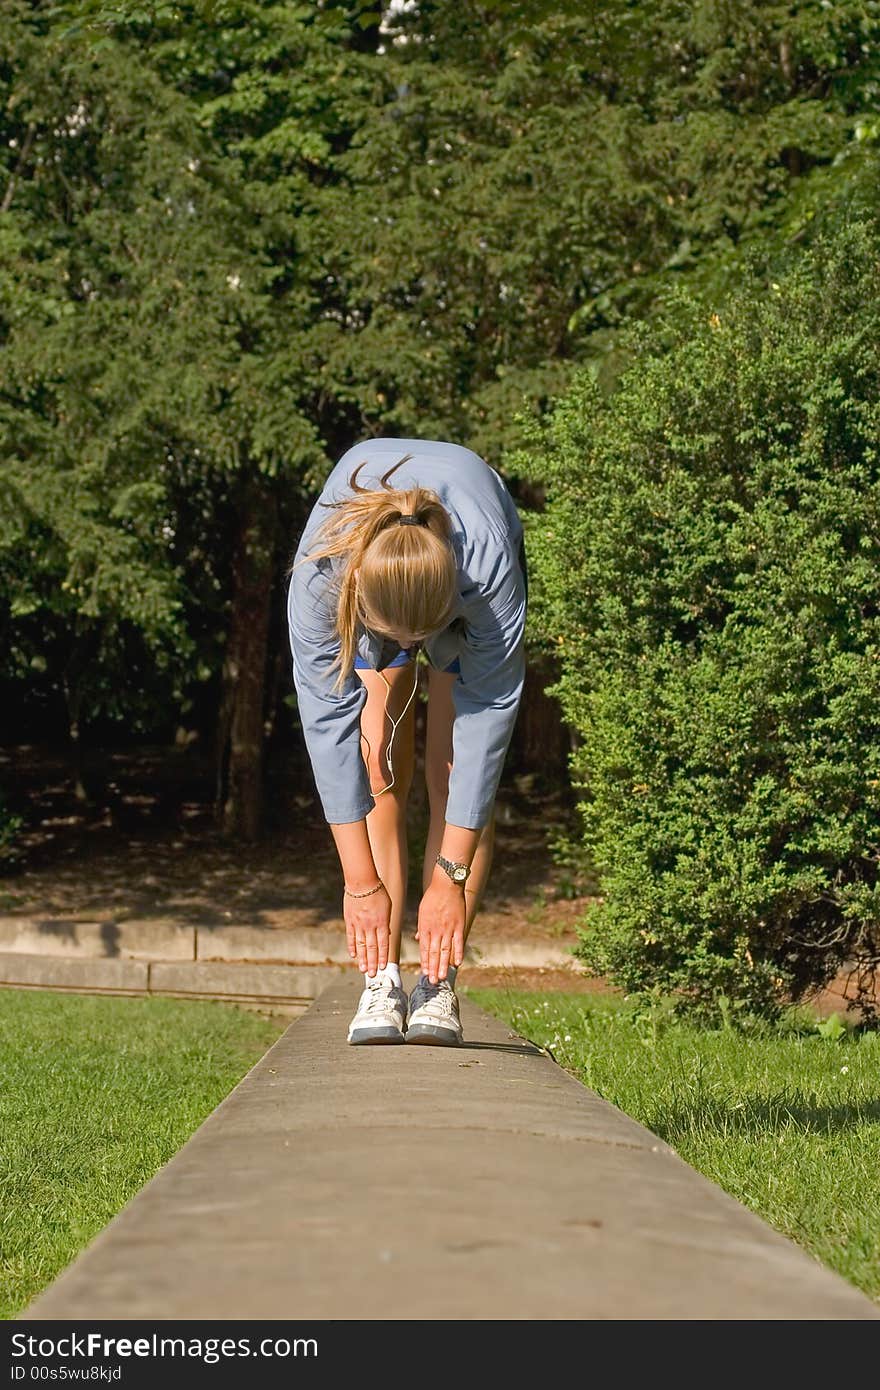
(758, 1116)
(524, 1049)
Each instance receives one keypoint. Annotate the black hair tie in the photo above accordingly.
(410, 520)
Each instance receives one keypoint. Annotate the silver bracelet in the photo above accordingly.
(369, 893)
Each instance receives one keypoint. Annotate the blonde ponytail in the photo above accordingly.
(395, 576)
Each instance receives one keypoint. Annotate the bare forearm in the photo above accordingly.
(459, 845)
(355, 855)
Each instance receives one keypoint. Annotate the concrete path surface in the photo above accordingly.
(438, 1183)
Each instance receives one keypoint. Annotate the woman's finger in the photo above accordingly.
(361, 943)
(458, 947)
(445, 959)
(434, 957)
(424, 949)
(372, 952)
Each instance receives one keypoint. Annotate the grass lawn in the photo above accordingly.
(787, 1120)
(95, 1095)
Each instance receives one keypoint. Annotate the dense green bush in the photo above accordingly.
(708, 575)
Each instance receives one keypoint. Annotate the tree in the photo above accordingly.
(536, 173)
(182, 353)
(97, 226)
(238, 235)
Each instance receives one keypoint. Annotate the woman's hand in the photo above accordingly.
(368, 929)
(440, 934)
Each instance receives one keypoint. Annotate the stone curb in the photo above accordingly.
(287, 985)
(58, 936)
(164, 940)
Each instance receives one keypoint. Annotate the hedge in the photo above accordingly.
(708, 570)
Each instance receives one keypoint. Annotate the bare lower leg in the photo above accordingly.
(386, 828)
(438, 765)
(387, 693)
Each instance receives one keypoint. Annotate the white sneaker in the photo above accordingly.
(433, 1014)
(381, 1013)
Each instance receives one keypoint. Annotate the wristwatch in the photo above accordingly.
(457, 872)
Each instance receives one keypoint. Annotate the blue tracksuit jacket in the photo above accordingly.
(486, 632)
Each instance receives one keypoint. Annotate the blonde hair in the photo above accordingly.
(396, 575)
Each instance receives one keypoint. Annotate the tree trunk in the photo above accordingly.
(540, 740)
(82, 652)
(73, 700)
(241, 732)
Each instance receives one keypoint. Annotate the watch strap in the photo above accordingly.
(453, 870)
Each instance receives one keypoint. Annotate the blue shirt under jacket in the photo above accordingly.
(486, 632)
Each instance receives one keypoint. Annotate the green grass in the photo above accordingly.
(786, 1120)
(95, 1095)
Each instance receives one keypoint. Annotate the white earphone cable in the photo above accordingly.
(394, 723)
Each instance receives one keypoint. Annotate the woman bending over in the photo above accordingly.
(412, 543)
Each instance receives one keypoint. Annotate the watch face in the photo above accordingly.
(460, 874)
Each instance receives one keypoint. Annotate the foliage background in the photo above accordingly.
(238, 235)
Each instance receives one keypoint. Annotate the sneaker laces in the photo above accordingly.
(441, 996)
(379, 992)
